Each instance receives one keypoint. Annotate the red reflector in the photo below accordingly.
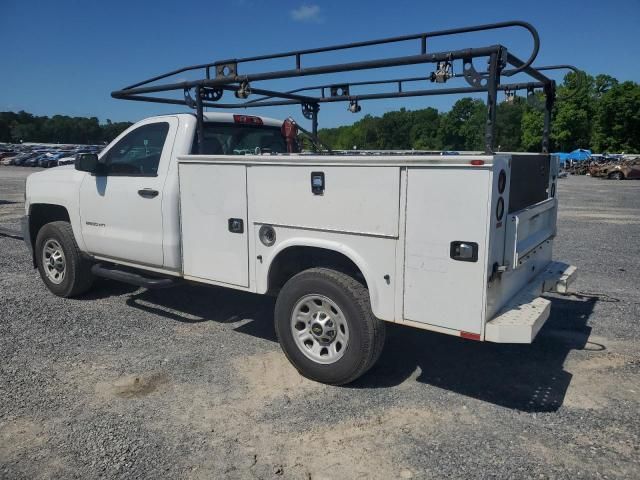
(251, 120)
(477, 162)
(469, 335)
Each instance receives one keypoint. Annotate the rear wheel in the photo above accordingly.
(62, 268)
(326, 328)
(616, 176)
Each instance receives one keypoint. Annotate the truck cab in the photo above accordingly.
(128, 209)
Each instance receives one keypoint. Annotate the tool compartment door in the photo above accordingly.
(213, 220)
(444, 206)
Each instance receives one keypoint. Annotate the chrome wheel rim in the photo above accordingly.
(53, 261)
(319, 329)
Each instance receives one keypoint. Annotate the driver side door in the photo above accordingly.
(121, 210)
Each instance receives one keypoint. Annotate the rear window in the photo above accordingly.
(235, 139)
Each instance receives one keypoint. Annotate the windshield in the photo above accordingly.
(238, 139)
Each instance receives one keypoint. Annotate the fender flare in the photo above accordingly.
(263, 280)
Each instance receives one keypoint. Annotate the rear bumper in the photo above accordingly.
(522, 318)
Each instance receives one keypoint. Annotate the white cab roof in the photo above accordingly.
(224, 117)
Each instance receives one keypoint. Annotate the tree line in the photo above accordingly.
(597, 113)
(25, 127)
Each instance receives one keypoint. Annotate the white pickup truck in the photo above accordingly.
(456, 244)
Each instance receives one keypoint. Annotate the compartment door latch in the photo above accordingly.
(464, 251)
(236, 225)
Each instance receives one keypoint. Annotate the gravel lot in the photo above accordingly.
(190, 382)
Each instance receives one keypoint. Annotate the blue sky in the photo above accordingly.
(66, 56)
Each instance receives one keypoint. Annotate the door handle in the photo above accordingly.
(148, 193)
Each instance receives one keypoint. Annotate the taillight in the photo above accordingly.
(502, 181)
(247, 119)
(500, 208)
(502, 184)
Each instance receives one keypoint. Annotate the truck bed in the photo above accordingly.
(395, 216)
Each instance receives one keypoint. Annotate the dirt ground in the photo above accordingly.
(190, 382)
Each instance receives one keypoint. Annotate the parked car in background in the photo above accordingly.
(51, 160)
(43, 160)
(599, 169)
(23, 159)
(42, 155)
(8, 160)
(15, 160)
(66, 160)
(628, 169)
(34, 161)
(620, 170)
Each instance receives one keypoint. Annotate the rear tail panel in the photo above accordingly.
(521, 238)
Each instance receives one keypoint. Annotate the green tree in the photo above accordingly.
(462, 128)
(23, 126)
(590, 112)
(573, 113)
(509, 125)
(111, 130)
(424, 129)
(6, 121)
(532, 125)
(603, 84)
(617, 122)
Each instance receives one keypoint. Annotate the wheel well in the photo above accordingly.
(294, 260)
(42, 213)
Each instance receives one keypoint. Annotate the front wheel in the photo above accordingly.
(325, 326)
(59, 261)
(616, 176)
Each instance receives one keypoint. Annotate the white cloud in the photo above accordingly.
(307, 13)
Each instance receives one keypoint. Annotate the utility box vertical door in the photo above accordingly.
(445, 207)
(213, 219)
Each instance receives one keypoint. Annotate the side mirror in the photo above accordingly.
(88, 162)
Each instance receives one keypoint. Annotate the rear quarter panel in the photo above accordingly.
(446, 205)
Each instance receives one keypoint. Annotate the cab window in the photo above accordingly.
(235, 139)
(138, 153)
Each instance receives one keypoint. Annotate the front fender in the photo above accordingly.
(58, 186)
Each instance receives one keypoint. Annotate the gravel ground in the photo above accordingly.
(190, 383)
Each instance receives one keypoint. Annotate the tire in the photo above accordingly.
(69, 277)
(345, 309)
(616, 176)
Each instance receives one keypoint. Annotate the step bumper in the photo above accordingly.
(522, 318)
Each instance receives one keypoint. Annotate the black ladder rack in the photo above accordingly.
(227, 77)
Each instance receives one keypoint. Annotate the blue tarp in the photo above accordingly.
(578, 155)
